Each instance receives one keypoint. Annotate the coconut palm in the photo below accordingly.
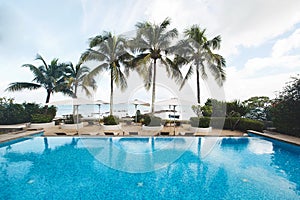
(51, 77)
(197, 52)
(78, 77)
(152, 44)
(111, 51)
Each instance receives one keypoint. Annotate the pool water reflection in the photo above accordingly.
(149, 168)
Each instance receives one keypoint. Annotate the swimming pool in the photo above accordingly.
(149, 168)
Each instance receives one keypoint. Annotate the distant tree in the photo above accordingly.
(286, 108)
(213, 107)
(236, 108)
(257, 107)
(51, 77)
(78, 77)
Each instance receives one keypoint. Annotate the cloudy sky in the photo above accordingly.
(260, 38)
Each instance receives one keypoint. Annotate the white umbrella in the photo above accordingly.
(73, 101)
(99, 103)
(137, 102)
(170, 102)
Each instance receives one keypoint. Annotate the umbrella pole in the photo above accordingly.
(174, 118)
(99, 105)
(135, 113)
(77, 118)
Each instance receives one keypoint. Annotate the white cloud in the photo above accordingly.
(239, 87)
(245, 23)
(285, 46)
(270, 65)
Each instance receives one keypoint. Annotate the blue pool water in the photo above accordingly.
(149, 168)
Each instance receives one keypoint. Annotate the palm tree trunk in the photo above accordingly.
(74, 96)
(198, 84)
(47, 100)
(111, 93)
(48, 96)
(153, 86)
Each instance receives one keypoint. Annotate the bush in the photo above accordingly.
(231, 123)
(201, 122)
(237, 123)
(41, 118)
(111, 120)
(250, 124)
(150, 120)
(285, 110)
(13, 113)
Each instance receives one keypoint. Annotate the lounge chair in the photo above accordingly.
(164, 133)
(133, 133)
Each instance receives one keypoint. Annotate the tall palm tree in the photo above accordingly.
(152, 44)
(51, 77)
(197, 52)
(111, 51)
(78, 77)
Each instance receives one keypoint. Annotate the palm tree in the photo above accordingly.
(197, 52)
(111, 51)
(78, 77)
(153, 43)
(51, 77)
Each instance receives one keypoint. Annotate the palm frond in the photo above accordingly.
(39, 57)
(165, 23)
(188, 75)
(215, 43)
(91, 54)
(18, 86)
(37, 72)
(98, 69)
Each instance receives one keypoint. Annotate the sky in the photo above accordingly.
(260, 38)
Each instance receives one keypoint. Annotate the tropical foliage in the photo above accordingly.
(258, 107)
(285, 110)
(112, 54)
(152, 43)
(197, 52)
(50, 77)
(78, 77)
(14, 113)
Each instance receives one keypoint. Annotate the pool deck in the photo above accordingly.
(133, 130)
(278, 136)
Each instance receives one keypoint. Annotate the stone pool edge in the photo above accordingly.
(278, 136)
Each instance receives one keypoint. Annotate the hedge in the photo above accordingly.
(201, 122)
(236, 123)
(13, 113)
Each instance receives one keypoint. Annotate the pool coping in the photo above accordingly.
(278, 136)
(17, 135)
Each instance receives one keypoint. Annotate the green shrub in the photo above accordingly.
(12, 114)
(250, 124)
(41, 118)
(151, 120)
(236, 123)
(231, 123)
(201, 122)
(111, 120)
